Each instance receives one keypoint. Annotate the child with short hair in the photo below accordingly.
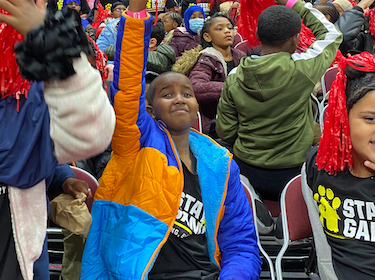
(170, 204)
(338, 184)
(161, 56)
(171, 21)
(265, 110)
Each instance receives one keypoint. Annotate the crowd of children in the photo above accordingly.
(170, 204)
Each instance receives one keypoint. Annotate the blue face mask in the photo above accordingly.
(196, 24)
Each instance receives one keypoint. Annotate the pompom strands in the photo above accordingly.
(306, 38)
(101, 61)
(353, 2)
(248, 19)
(334, 152)
(371, 14)
(102, 15)
(11, 81)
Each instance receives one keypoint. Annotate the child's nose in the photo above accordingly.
(179, 98)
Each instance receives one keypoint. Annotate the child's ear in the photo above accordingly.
(296, 39)
(150, 111)
(175, 25)
(153, 43)
(207, 37)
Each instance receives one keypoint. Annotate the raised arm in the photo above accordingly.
(82, 118)
(128, 87)
(316, 60)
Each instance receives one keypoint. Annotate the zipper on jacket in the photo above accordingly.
(163, 128)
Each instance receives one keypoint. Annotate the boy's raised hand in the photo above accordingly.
(24, 14)
(281, 2)
(137, 5)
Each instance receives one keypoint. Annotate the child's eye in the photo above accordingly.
(370, 119)
(167, 95)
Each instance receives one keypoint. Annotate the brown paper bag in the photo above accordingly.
(71, 214)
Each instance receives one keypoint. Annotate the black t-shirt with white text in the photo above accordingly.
(9, 268)
(347, 212)
(185, 254)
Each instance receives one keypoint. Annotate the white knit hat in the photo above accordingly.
(344, 4)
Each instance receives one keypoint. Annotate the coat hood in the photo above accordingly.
(263, 77)
(187, 61)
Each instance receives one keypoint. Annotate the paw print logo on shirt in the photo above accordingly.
(203, 222)
(60, 4)
(328, 205)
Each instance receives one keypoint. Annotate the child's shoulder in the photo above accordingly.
(181, 32)
(238, 53)
(311, 154)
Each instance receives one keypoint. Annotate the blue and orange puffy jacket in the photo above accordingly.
(139, 193)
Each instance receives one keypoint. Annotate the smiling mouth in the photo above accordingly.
(179, 111)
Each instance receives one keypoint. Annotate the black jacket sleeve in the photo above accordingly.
(350, 24)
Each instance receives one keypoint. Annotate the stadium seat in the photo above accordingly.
(323, 250)
(295, 220)
(197, 125)
(250, 193)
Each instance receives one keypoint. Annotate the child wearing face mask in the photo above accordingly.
(188, 38)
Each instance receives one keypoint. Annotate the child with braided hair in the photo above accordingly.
(340, 172)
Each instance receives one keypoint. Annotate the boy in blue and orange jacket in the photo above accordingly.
(170, 204)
